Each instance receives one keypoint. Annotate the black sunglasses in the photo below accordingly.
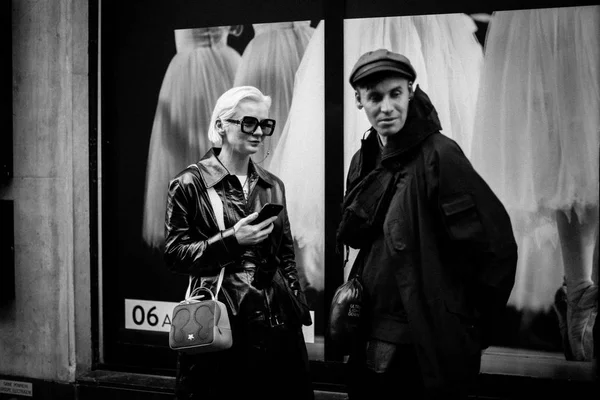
(250, 124)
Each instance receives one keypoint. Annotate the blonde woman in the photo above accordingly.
(260, 285)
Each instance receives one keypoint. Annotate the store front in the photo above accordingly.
(155, 68)
(153, 118)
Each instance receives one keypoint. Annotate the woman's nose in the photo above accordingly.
(258, 131)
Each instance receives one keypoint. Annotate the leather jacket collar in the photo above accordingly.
(213, 171)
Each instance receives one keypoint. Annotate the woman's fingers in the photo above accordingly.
(248, 234)
(245, 221)
(262, 234)
(248, 219)
(266, 223)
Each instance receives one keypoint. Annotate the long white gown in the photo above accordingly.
(299, 160)
(202, 69)
(537, 132)
(269, 62)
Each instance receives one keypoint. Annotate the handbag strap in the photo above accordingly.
(358, 266)
(217, 206)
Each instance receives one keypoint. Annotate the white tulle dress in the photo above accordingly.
(299, 160)
(269, 62)
(537, 131)
(203, 68)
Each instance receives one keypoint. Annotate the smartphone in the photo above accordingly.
(267, 211)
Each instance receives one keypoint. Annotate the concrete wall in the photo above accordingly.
(45, 332)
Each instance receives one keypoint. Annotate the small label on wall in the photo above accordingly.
(150, 315)
(16, 388)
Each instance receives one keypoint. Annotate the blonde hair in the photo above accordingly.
(227, 104)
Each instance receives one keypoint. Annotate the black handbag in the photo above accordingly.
(295, 300)
(346, 309)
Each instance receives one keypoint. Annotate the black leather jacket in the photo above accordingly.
(194, 244)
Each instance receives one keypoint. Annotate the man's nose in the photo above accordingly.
(386, 104)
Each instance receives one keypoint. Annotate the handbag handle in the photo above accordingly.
(217, 206)
(196, 296)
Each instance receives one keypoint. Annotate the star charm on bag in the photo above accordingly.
(191, 336)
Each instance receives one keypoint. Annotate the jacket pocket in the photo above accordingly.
(397, 236)
(461, 218)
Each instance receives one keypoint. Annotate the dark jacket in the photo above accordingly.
(436, 243)
(194, 245)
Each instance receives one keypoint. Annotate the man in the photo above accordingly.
(437, 253)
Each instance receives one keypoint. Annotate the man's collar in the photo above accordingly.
(213, 171)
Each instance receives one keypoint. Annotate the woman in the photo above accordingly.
(268, 358)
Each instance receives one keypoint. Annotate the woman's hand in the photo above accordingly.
(247, 234)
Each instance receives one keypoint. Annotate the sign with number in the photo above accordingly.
(148, 315)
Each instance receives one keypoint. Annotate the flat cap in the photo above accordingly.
(381, 60)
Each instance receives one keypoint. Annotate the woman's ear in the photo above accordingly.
(219, 126)
(357, 100)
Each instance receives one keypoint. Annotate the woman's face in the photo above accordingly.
(241, 143)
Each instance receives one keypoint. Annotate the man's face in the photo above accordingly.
(386, 104)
